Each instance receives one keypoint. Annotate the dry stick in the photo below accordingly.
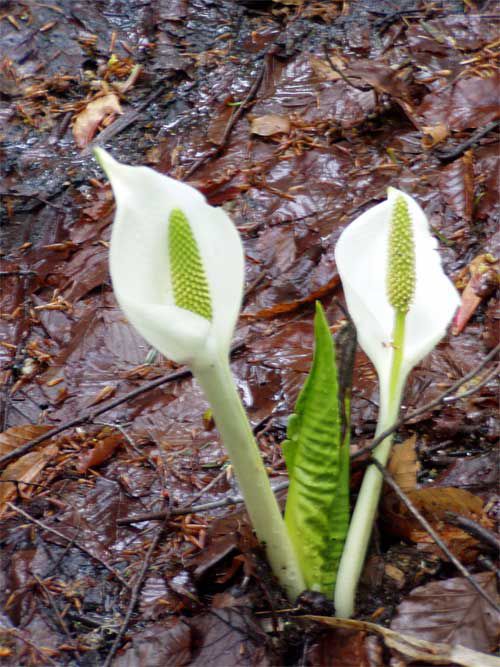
(136, 589)
(453, 153)
(475, 529)
(40, 650)
(341, 73)
(90, 415)
(489, 376)
(427, 526)
(429, 406)
(41, 525)
(192, 509)
(235, 116)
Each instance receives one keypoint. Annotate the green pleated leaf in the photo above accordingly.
(317, 458)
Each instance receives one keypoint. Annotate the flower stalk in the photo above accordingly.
(235, 431)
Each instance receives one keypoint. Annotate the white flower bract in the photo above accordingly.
(361, 255)
(140, 263)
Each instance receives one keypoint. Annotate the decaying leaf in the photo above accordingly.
(323, 70)
(413, 647)
(106, 392)
(270, 124)
(102, 451)
(404, 465)
(484, 278)
(451, 611)
(28, 467)
(88, 120)
(434, 502)
(434, 134)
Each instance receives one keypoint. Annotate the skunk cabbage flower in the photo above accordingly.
(362, 255)
(401, 302)
(176, 263)
(177, 268)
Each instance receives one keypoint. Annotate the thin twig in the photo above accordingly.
(122, 122)
(475, 529)
(193, 509)
(489, 376)
(453, 153)
(235, 116)
(131, 442)
(442, 398)
(41, 651)
(134, 597)
(90, 415)
(43, 526)
(341, 73)
(437, 539)
(57, 613)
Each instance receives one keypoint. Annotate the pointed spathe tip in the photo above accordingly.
(105, 160)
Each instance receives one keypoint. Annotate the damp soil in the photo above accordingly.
(295, 116)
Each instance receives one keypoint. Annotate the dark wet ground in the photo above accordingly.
(405, 76)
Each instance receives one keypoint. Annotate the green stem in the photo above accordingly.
(360, 528)
(232, 423)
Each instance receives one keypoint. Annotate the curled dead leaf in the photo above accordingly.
(27, 469)
(106, 392)
(102, 451)
(414, 647)
(434, 503)
(88, 120)
(484, 278)
(434, 135)
(404, 465)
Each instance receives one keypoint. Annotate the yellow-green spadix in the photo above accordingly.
(176, 263)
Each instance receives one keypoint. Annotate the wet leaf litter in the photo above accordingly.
(295, 117)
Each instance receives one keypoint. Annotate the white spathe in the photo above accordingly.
(361, 255)
(140, 267)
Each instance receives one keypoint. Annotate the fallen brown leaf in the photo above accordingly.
(434, 502)
(88, 120)
(266, 126)
(26, 469)
(451, 611)
(103, 450)
(484, 278)
(18, 435)
(404, 465)
(434, 135)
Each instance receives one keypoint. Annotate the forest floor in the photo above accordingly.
(294, 115)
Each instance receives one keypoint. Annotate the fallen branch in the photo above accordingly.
(235, 116)
(453, 153)
(475, 529)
